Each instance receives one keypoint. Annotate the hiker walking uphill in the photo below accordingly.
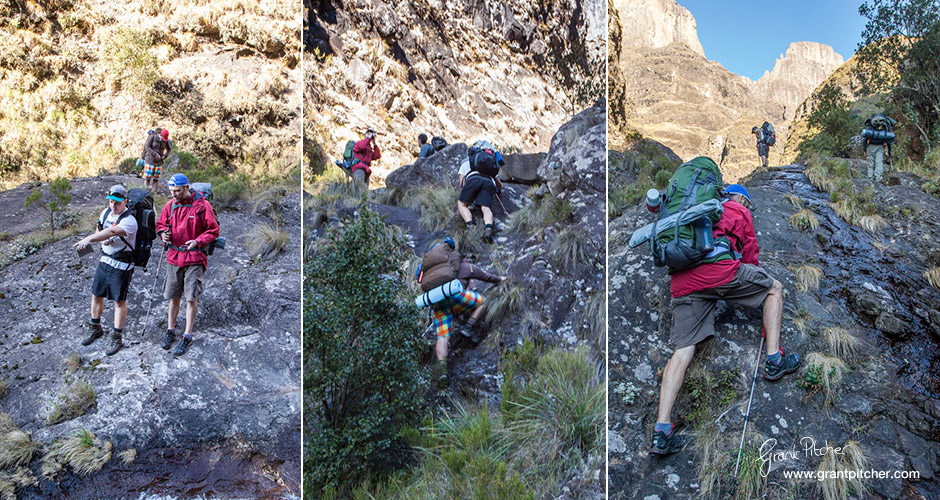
(766, 137)
(187, 226)
(878, 134)
(479, 184)
(366, 151)
(117, 232)
(707, 264)
(446, 277)
(156, 149)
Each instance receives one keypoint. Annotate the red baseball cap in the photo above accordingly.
(165, 134)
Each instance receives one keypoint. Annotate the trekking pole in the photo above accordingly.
(747, 415)
(500, 200)
(153, 290)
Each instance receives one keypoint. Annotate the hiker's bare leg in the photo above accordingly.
(487, 215)
(673, 375)
(97, 307)
(478, 313)
(192, 307)
(441, 349)
(172, 312)
(120, 313)
(464, 211)
(773, 316)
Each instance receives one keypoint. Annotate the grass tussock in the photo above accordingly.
(265, 241)
(502, 301)
(436, 207)
(16, 448)
(593, 325)
(851, 459)
(73, 402)
(470, 240)
(794, 200)
(83, 452)
(571, 249)
(12, 480)
(842, 344)
(72, 362)
(822, 373)
(808, 277)
(804, 220)
(128, 456)
(541, 212)
(531, 323)
(750, 484)
(932, 276)
(802, 320)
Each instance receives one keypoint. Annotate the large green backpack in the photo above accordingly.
(689, 245)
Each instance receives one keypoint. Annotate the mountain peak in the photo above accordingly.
(656, 24)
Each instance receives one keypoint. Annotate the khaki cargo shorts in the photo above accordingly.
(183, 281)
(693, 315)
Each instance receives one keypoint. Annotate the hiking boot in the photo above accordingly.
(168, 340)
(95, 332)
(667, 444)
(488, 235)
(439, 374)
(183, 346)
(115, 344)
(788, 364)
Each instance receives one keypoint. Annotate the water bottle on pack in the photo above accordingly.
(653, 200)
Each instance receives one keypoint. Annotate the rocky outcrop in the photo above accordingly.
(464, 71)
(657, 24)
(234, 398)
(872, 287)
(796, 75)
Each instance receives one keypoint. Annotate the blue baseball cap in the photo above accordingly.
(738, 189)
(178, 180)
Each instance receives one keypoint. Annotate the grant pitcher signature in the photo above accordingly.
(768, 455)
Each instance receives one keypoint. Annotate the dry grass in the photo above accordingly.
(794, 200)
(932, 276)
(851, 459)
(75, 400)
(571, 249)
(72, 362)
(842, 344)
(265, 241)
(531, 323)
(128, 456)
(802, 320)
(503, 301)
(436, 207)
(3, 388)
(804, 220)
(16, 449)
(808, 277)
(593, 325)
(871, 223)
(15, 479)
(83, 452)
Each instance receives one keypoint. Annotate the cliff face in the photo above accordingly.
(796, 74)
(696, 106)
(656, 24)
(463, 70)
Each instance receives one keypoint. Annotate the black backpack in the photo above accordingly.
(483, 161)
(438, 143)
(140, 205)
(770, 136)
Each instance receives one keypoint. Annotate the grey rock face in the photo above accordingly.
(238, 386)
(438, 169)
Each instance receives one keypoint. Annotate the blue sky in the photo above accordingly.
(746, 37)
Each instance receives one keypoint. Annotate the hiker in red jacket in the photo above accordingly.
(695, 293)
(366, 151)
(187, 226)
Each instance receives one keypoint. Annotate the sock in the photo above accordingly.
(489, 226)
(96, 321)
(666, 428)
(171, 331)
(118, 330)
(188, 336)
(775, 358)
(469, 223)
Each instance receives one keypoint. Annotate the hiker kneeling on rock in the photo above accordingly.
(730, 273)
(440, 266)
(479, 184)
(366, 151)
(117, 232)
(187, 226)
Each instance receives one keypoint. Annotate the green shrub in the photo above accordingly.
(362, 381)
(54, 200)
(833, 123)
(126, 55)
(128, 166)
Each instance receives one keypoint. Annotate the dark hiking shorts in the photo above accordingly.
(693, 315)
(762, 149)
(479, 190)
(111, 283)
